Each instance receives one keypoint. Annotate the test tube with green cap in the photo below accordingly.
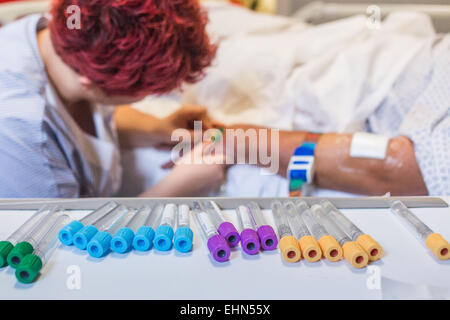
(164, 232)
(329, 246)
(18, 235)
(87, 233)
(351, 251)
(290, 250)
(67, 232)
(32, 264)
(143, 239)
(434, 241)
(102, 241)
(372, 248)
(183, 236)
(28, 243)
(225, 228)
(308, 245)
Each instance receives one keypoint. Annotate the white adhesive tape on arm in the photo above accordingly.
(368, 145)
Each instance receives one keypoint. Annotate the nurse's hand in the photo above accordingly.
(195, 174)
(137, 129)
(184, 118)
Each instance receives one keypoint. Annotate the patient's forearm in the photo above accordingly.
(399, 173)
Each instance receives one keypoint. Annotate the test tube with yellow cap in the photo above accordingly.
(365, 241)
(331, 249)
(352, 252)
(308, 244)
(434, 241)
(288, 244)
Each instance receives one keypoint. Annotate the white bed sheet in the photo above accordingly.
(278, 72)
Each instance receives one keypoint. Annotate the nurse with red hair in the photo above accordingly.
(62, 91)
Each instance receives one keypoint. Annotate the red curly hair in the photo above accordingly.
(134, 47)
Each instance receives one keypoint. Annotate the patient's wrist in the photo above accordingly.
(300, 170)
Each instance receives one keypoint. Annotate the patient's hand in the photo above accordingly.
(190, 178)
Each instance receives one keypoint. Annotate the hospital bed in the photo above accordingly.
(314, 12)
(317, 12)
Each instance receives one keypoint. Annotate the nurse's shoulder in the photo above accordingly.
(26, 165)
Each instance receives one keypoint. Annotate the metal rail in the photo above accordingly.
(225, 203)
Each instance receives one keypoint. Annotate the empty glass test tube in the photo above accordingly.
(434, 241)
(216, 243)
(102, 241)
(85, 235)
(67, 232)
(224, 227)
(164, 232)
(266, 234)
(182, 240)
(18, 235)
(330, 248)
(249, 237)
(32, 264)
(308, 244)
(289, 247)
(28, 243)
(143, 239)
(352, 252)
(365, 241)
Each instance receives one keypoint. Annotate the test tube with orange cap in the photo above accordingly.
(331, 249)
(434, 241)
(290, 250)
(365, 241)
(351, 251)
(308, 244)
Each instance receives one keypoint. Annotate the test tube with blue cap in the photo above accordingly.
(183, 236)
(249, 237)
(164, 232)
(28, 243)
(31, 265)
(18, 235)
(143, 239)
(216, 243)
(265, 232)
(224, 227)
(67, 232)
(87, 233)
(101, 241)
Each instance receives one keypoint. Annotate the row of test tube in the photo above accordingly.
(321, 231)
(120, 229)
(220, 235)
(316, 232)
